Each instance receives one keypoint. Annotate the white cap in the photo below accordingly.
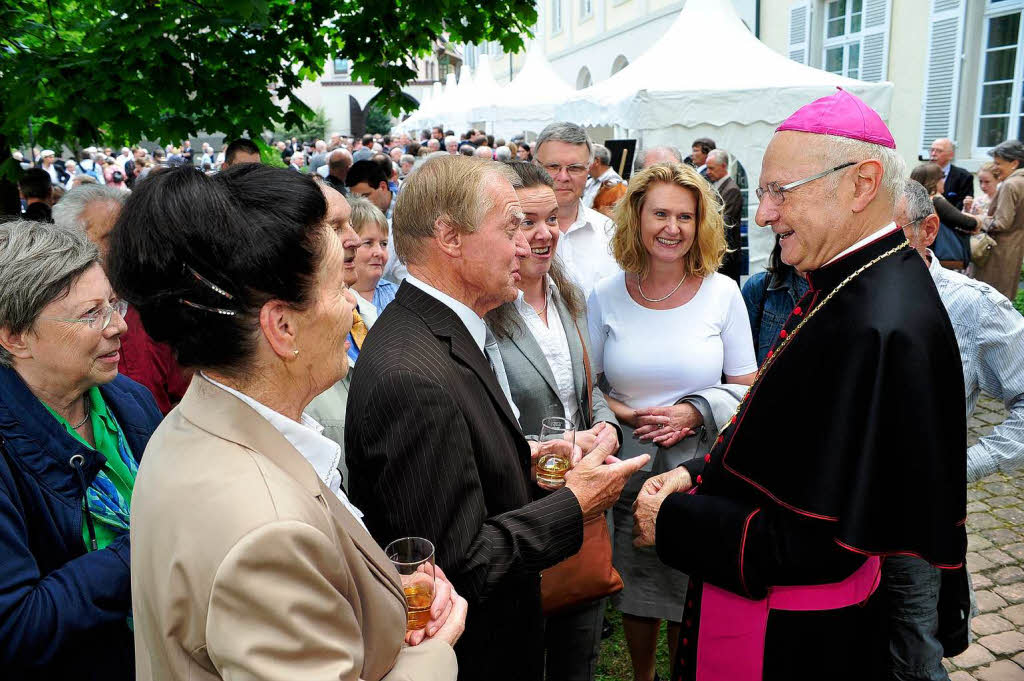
(46, 152)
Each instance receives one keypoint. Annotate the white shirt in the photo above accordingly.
(52, 170)
(323, 454)
(594, 186)
(874, 236)
(395, 270)
(652, 358)
(585, 249)
(555, 345)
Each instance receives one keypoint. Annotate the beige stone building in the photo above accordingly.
(957, 66)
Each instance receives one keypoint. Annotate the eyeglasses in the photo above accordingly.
(98, 320)
(778, 193)
(553, 169)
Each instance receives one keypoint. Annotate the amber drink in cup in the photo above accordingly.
(413, 557)
(557, 437)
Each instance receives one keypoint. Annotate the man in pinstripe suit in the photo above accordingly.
(433, 445)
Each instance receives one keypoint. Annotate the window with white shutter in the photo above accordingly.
(800, 31)
(856, 38)
(942, 77)
(1001, 83)
(874, 48)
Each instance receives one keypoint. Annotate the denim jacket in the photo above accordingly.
(770, 298)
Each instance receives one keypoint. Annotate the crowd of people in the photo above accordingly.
(225, 387)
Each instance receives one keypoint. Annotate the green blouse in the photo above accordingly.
(106, 432)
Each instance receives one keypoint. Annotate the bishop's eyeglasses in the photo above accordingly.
(777, 192)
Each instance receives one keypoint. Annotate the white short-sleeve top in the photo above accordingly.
(652, 358)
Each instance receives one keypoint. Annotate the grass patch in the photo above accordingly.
(1019, 302)
(613, 663)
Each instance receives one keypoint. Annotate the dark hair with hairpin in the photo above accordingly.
(199, 256)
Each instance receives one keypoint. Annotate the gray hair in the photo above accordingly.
(1010, 150)
(839, 150)
(641, 155)
(451, 139)
(503, 153)
(569, 133)
(918, 205)
(39, 263)
(407, 158)
(719, 156)
(68, 211)
(602, 155)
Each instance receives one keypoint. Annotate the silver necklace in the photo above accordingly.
(664, 297)
(86, 416)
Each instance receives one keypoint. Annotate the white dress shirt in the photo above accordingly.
(474, 324)
(323, 454)
(585, 249)
(874, 236)
(555, 345)
(990, 335)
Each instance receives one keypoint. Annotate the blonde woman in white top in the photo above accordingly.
(665, 328)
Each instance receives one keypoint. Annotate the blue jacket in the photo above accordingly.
(63, 611)
(770, 298)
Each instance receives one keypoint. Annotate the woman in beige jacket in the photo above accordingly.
(248, 560)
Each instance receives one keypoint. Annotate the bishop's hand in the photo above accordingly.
(648, 502)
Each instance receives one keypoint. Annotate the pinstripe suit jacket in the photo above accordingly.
(433, 450)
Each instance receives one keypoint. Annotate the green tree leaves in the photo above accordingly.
(115, 71)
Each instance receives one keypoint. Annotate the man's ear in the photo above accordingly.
(929, 230)
(448, 237)
(867, 184)
(15, 343)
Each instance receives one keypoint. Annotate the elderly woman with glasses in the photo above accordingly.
(250, 560)
(71, 434)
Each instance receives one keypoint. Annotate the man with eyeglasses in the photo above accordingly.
(565, 151)
(847, 448)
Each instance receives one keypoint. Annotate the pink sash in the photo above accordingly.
(730, 644)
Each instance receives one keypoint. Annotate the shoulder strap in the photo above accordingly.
(590, 379)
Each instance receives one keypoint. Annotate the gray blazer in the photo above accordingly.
(530, 379)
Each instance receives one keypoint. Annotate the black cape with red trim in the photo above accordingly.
(852, 443)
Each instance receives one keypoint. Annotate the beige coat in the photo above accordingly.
(1002, 270)
(245, 566)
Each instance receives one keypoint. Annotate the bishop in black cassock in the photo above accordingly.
(848, 447)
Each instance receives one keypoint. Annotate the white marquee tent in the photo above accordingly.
(673, 94)
(528, 102)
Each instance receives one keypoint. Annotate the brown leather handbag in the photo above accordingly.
(588, 575)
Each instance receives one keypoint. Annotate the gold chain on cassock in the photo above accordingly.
(789, 337)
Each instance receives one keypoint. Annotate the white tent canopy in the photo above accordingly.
(529, 101)
(672, 95)
(672, 83)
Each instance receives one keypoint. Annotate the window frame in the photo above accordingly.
(586, 9)
(844, 40)
(993, 10)
(556, 15)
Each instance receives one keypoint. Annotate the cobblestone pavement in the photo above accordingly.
(995, 556)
